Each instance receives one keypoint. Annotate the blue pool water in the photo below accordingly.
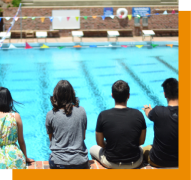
(31, 76)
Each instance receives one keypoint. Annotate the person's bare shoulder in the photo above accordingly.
(18, 118)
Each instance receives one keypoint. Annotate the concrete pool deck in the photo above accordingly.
(93, 164)
(93, 39)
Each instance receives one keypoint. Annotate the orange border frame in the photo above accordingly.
(184, 129)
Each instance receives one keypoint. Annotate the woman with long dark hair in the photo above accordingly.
(66, 125)
(11, 129)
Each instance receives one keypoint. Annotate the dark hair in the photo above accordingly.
(170, 87)
(64, 97)
(6, 101)
(120, 91)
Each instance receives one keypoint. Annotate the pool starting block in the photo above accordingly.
(8, 35)
(150, 33)
(79, 34)
(112, 34)
(41, 35)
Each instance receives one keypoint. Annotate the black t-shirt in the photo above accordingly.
(165, 145)
(121, 129)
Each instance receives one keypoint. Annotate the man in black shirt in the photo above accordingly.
(124, 130)
(164, 151)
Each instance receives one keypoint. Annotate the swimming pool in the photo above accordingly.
(31, 76)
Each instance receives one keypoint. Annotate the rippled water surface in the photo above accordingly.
(31, 76)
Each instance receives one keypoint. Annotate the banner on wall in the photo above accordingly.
(107, 11)
(66, 19)
(142, 11)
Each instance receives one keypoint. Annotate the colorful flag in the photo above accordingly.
(42, 19)
(165, 12)
(139, 46)
(94, 17)
(33, 18)
(157, 13)
(112, 16)
(77, 18)
(92, 46)
(77, 46)
(24, 17)
(68, 18)
(139, 16)
(51, 19)
(173, 11)
(7, 18)
(61, 47)
(129, 16)
(154, 45)
(125, 46)
(60, 18)
(12, 46)
(0, 19)
(171, 45)
(85, 17)
(44, 46)
(103, 17)
(16, 18)
(27, 46)
(120, 16)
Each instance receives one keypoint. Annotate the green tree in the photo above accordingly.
(16, 3)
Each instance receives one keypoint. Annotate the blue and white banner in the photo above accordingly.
(12, 24)
(142, 11)
(107, 11)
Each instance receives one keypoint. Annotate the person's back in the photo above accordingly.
(165, 144)
(67, 144)
(164, 151)
(8, 148)
(124, 130)
(11, 130)
(66, 125)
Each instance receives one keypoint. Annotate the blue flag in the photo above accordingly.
(51, 18)
(92, 46)
(103, 17)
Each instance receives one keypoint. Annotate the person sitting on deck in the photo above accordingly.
(66, 126)
(124, 129)
(11, 129)
(164, 151)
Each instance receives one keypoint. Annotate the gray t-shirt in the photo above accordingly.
(67, 144)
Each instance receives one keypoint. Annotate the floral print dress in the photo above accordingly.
(11, 157)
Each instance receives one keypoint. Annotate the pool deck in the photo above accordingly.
(93, 39)
(93, 164)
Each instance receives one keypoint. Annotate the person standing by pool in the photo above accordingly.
(164, 151)
(124, 129)
(11, 129)
(66, 126)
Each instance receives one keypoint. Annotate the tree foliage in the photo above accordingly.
(16, 3)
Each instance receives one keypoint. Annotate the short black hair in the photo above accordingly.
(170, 87)
(120, 91)
(6, 101)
